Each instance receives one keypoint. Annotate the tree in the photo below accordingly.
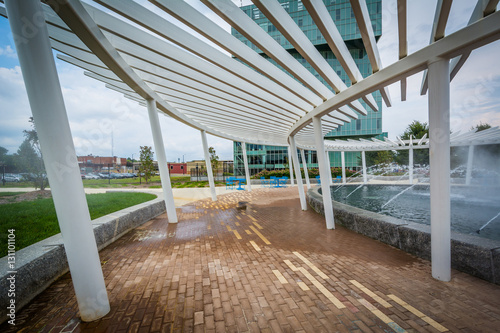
(29, 157)
(214, 160)
(481, 127)
(3, 152)
(416, 130)
(485, 156)
(147, 166)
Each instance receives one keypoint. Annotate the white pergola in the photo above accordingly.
(154, 62)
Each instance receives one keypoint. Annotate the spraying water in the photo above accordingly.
(397, 195)
(484, 226)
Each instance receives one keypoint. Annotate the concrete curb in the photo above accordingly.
(39, 265)
(470, 254)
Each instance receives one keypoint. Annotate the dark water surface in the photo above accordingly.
(471, 207)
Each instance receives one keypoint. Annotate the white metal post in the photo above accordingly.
(49, 114)
(329, 164)
(168, 195)
(410, 164)
(245, 161)
(290, 165)
(304, 165)
(363, 161)
(342, 156)
(296, 165)
(208, 165)
(470, 157)
(439, 155)
(323, 172)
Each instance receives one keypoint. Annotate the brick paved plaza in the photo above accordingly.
(254, 262)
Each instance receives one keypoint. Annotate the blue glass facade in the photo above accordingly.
(343, 16)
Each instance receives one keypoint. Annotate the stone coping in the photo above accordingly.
(40, 264)
(471, 254)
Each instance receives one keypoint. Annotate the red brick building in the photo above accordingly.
(92, 163)
(177, 168)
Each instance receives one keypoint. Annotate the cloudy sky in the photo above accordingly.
(99, 116)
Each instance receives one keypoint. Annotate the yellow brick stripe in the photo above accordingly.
(419, 314)
(257, 232)
(280, 276)
(292, 266)
(371, 294)
(255, 246)
(380, 315)
(311, 265)
(322, 288)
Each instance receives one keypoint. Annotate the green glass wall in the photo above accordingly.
(343, 16)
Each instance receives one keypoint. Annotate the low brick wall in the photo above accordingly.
(474, 255)
(40, 264)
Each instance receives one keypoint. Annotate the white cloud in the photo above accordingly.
(475, 91)
(96, 113)
(8, 52)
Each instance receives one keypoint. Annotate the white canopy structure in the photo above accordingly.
(243, 98)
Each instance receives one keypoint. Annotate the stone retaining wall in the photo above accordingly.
(40, 264)
(474, 255)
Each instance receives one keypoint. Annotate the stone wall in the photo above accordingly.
(474, 255)
(40, 264)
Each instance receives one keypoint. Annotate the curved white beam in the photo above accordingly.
(232, 14)
(192, 17)
(278, 16)
(454, 44)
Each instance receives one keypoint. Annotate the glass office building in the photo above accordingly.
(272, 157)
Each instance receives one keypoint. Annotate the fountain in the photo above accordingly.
(399, 215)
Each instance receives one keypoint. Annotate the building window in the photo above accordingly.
(337, 14)
(286, 6)
(300, 6)
(271, 28)
(182, 167)
(171, 167)
(379, 124)
(300, 22)
(352, 13)
(256, 13)
(358, 124)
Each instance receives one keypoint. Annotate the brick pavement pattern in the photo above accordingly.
(254, 262)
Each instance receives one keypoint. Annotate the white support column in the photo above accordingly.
(329, 164)
(439, 155)
(290, 165)
(470, 157)
(168, 195)
(208, 165)
(296, 165)
(342, 156)
(410, 164)
(323, 172)
(363, 161)
(245, 161)
(304, 165)
(49, 114)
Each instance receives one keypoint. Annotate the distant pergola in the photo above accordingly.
(154, 62)
(471, 139)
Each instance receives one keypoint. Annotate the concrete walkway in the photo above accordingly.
(254, 262)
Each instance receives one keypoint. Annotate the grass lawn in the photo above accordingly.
(36, 220)
(154, 182)
(10, 194)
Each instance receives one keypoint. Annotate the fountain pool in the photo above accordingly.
(471, 206)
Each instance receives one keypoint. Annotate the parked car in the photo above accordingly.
(103, 176)
(91, 176)
(11, 178)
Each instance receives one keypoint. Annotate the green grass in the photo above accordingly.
(36, 220)
(10, 194)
